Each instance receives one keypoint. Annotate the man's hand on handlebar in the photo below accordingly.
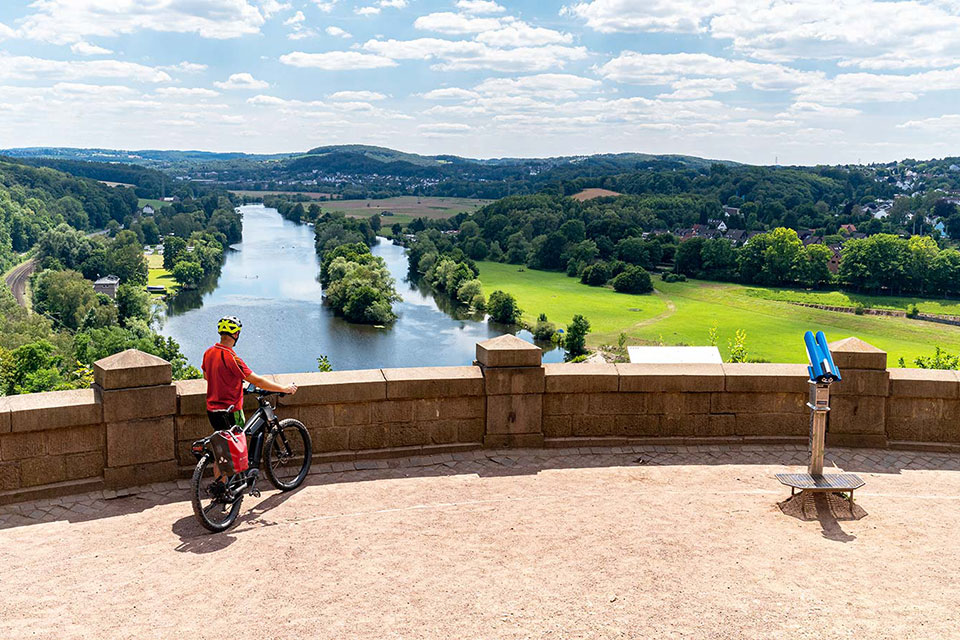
(290, 389)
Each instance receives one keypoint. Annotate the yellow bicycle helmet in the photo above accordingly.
(229, 324)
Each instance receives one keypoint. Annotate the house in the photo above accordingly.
(107, 285)
(736, 236)
(834, 263)
(731, 211)
(147, 210)
(849, 228)
(722, 227)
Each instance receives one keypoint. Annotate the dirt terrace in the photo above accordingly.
(638, 542)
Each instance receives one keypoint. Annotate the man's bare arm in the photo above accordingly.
(267, 385)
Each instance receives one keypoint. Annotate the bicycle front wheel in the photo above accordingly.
(209, 498)
(288, 455)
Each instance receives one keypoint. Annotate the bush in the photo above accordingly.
(544, 330)
(633, 280)
(576, 337)
(187, 273)
(503, 308)
(595, 275)
(667, 276)
(913, 311)
(858, 309)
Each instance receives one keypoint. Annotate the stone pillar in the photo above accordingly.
(858, 403)
(139, 404)
(514, 383)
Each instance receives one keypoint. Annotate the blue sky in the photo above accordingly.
(824, 81)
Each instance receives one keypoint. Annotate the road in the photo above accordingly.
(17, 280)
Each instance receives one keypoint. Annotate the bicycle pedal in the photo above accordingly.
(255, 493)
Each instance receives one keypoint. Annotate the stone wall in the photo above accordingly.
(135, 426)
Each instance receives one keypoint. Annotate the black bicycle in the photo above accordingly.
(286, 450)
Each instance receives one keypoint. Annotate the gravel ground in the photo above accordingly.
(604, 543)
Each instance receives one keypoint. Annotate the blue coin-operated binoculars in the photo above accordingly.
(822, 370)
(823, 373)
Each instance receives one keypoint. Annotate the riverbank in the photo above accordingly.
(683, 313)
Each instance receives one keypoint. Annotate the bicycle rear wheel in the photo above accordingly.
(288, 455)
(208, 495)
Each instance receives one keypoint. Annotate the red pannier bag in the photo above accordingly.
(230, 451)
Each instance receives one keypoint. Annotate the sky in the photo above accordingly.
(757, 81)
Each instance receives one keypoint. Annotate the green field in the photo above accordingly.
(405, 208)
(153, 202)
(684, 312)
(157, 276)
(842, 299)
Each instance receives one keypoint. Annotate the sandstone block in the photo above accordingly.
(396, 410)
(191, 397)
(766, 378)
(862, 382)
(854, 353)
(332, 387)
(19, 446)
(351, 414)
(637, 425)
(326, 439)
(407, 434)
(924, 383)
(852, 414)
(508, 351)
(53, 410)
(565, 403)
(772, 424)
(917, 408)
(84, 465)
(581, 377)
(557, 426)
(139, 403)
(462, 408)
(9, 476)
(433, 382)
(594, 426)
(137, 474)
(513, 414)
(368, 437)
(75, 439)
(190, 428)
(140, 441)
(443, 432)
(906, 429)
(5, 422)
(720, 425)
(506, 380)
(621, 403)
(769, 402)
(671, 377)
(316, 415)
(470, 430)
(690, 425)
(131, 368)
(43, 470)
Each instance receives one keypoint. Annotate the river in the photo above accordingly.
(269, 280)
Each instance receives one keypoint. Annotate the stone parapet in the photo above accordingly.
(114, 435)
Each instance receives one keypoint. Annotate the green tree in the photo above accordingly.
(133, 302)
(633, 280)
(173, 248)
(575, 340)
(503, 308)
(187, 273)
(65, 296)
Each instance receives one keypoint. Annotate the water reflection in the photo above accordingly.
(269, 281)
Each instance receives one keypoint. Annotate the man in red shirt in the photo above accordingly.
(225, 373)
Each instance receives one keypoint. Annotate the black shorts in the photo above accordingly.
(225, 420)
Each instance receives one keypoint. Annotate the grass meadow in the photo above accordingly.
(683, 313)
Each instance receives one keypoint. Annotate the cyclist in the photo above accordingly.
(225, 373)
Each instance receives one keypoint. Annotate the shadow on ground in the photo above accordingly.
(484, 463)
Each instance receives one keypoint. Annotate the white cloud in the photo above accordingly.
(367, 11)
(393, 4)
(185, 91)
(325, 5)
(241, 81)
(86, 49)
(455, 23)
(461, 55)
(337, 60)
(30, 68)
(520, 34)
(871, 34)
(185, 67)
(295, 19)
(357, 95)
(442, 129)
(551, 86)
(270, 7)
(853, 88)
(814, 110)
(337, 32)
(698, 88)
(479, 6)
(68, 21)
(657, 68)
(451, 93)
(948, 122)
(6, 32)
